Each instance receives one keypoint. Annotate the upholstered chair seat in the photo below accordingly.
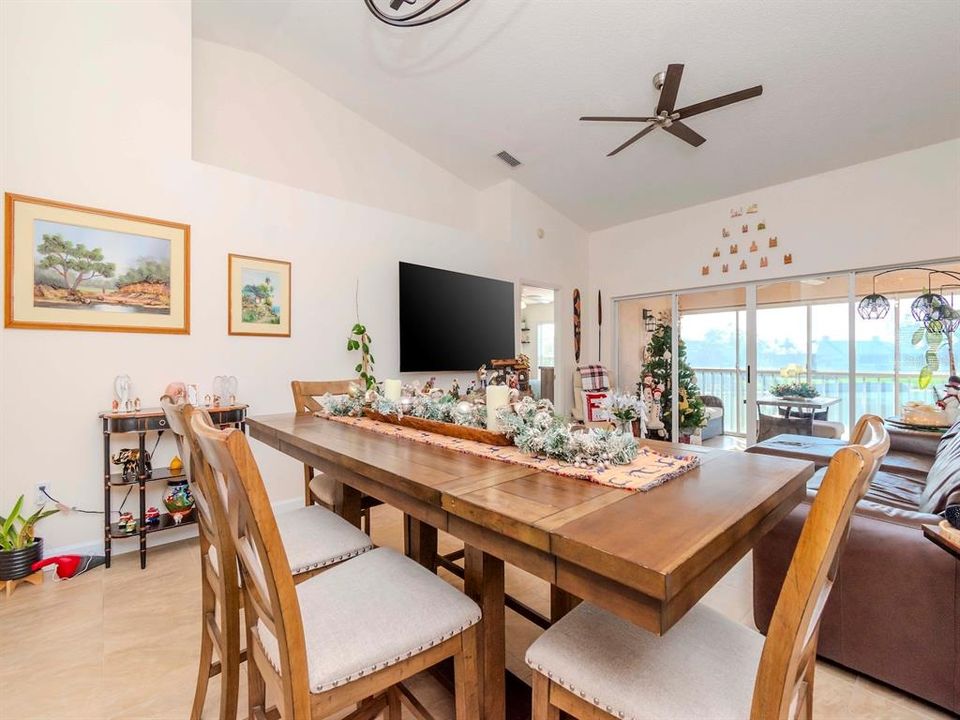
(370, 613)
(314, 538)
(703, 667)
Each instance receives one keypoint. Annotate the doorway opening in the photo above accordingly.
(538, 331)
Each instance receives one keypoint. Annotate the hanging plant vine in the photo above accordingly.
(360, 340)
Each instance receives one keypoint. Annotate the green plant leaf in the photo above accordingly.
(934, 339)
(933, 362)
(365, 349)
(358, 368)
(926, 375)
(917, 336)
(14, 514)
(372, 361)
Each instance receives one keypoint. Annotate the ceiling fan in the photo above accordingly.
(667, 118)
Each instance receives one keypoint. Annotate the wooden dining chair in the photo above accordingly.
(347, 636)
(316, 539)
(595, 665)
(317, 487)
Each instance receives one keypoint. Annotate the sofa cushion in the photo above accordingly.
(943, 480)
(713, 412)
(887, 488)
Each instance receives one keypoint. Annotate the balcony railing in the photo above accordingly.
(876, 392)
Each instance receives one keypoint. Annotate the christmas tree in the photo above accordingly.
(658, 365)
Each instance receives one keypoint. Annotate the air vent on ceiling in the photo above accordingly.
(508, 158)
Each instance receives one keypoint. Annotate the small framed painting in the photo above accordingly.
(258, 296)
(69, 267)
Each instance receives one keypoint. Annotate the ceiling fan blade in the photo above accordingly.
(719, 102)
(604, 118)
(632, 140)
(671, 84)
(686, 133)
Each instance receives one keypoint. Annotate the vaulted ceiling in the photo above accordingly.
(844, 82)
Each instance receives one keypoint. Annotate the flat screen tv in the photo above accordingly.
(453, 322)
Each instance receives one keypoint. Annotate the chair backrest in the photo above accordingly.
(791, 644)
(269, 593)
(306, 392)
(208, 496)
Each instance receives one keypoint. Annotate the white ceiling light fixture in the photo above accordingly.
(417, 17)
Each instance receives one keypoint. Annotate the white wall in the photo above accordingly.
(96, 110)
(903, 208)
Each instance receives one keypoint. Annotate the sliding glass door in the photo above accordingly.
(813, 333)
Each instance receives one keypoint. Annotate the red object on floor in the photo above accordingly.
(69, 566)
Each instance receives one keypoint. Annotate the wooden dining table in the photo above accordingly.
(645, 556)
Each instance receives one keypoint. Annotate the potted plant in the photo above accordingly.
(794, 390)
(19, 547)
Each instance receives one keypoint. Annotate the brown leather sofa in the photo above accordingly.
(894, 613)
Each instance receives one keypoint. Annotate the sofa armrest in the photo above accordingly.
(885, 513)
(712, 401)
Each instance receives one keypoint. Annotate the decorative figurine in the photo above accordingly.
(136, 404)
(482, 376)
(193, 394)
(176, 391)
(151, 516)
(176, 465)
(455, 389)
(121, 390)
(428, 386)
(115, 405)
(207, 399)
(950, 402)
(126, 523)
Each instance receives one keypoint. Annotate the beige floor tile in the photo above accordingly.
(124, 643)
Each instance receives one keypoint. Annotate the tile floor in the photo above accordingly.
(122, 643)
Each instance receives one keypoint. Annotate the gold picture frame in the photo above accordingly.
(72, 267)
(258, 296)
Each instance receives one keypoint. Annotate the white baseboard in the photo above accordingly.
(123, 546)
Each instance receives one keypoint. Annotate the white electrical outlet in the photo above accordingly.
(42, 499)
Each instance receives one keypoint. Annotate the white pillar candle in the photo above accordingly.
(391, 390)
(498, 396)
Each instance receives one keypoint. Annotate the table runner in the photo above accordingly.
(647, 471)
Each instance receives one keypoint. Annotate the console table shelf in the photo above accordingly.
(141, 423)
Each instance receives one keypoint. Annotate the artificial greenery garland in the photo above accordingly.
(533, 425)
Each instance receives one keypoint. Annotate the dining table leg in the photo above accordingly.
(484, 582)
(561, 602)
(420, 542)
(347, 503)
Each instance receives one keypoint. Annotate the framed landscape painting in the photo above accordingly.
(258, 296)
(70, 267)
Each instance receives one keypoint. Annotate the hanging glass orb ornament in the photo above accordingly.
(873, 307)
(931, 309)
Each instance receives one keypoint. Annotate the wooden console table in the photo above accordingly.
(141, 422)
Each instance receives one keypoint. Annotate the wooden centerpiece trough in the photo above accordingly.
(442, 428)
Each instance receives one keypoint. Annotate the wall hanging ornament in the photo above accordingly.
(576, 325)
(762, 225)
(763, 261)
(726, 268)
(734, 249)
(773, 242)
(752, 208)
(705, 270)
(736, 212)
(725, 233)
(716, 252)
(599, 324)
(753, 246)
(788, 258)
(743, 264)
(744, 228)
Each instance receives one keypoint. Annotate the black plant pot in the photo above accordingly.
(16, 564)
